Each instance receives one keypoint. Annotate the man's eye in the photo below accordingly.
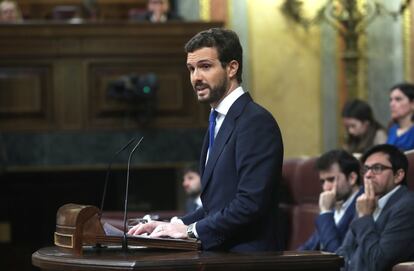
(376, 167)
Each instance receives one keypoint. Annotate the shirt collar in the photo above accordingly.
(228, 101)
(384, 199)
(349, 200)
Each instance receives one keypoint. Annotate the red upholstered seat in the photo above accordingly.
(410, 174)
(300, 190)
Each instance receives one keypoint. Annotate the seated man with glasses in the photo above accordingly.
(339, 175)
(382, 235)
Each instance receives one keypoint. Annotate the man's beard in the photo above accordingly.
(343, 196)
(216, 93)
(193, 193)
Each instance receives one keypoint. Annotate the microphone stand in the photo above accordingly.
(108, 171)
(124, 239)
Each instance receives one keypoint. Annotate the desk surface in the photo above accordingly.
(51, 258)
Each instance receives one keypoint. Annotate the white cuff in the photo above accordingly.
(176, 220)
(195, 230)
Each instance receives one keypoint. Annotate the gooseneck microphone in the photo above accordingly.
(124, 240)
(108, 171)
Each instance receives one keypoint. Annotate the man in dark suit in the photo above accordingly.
(241, 159)
(192, 187)
(158, 11)
(339, 175)
(383, 233)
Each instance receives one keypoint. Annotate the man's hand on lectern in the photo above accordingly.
(144, 228)
(160, 229)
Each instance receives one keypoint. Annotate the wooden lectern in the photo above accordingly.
(80, 225)
(53, 259)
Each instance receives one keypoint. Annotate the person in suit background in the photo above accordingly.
(383, 232)
(241, 158)
(192, 187)
(158, 11)
(10, 12)
(339, 175)
(362, 130)
(401, 132)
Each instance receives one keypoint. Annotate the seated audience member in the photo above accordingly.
(9, 12)
(362, 130)
(158, 11)
(192, 187)
(339, 175)
(401, 132)
(382, 235)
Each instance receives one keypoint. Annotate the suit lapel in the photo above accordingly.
(222, 137)
(349, 214)
(391, 201)
(203, 155)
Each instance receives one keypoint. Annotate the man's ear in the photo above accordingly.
(232, 68)
(399, 176)
(352, 178)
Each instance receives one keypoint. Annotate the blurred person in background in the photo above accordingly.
(362, 130)
(158, 11)
(192, 187)
(382, 234)
(339, 175)
(401, 132)
(10, 12)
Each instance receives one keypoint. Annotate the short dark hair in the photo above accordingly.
(347, 162)
(225, 41)
(191, 167)
(396, 157)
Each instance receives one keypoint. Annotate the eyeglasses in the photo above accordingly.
(376, 169)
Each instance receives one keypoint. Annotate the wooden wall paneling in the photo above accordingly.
(175, 101)
(107, 9)
(69, 94)
(26, 96)
(83, 58)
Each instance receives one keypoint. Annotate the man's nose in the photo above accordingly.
(327, 186)
(368, 174)
(197, 75)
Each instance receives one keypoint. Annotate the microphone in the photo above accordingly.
(124, 240)
(108, 171)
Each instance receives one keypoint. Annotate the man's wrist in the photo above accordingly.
(191, 231)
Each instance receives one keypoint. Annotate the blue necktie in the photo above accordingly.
(212, 127)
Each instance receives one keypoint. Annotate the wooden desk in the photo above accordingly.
(51, 258)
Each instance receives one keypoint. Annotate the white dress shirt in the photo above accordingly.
(223, 108)
(383, 201)
(339, 213)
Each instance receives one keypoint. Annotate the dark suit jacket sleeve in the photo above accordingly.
(311, 244)
(193, 216)
(258, 154)
(329, 234)
(326, 237)
(347, 248)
